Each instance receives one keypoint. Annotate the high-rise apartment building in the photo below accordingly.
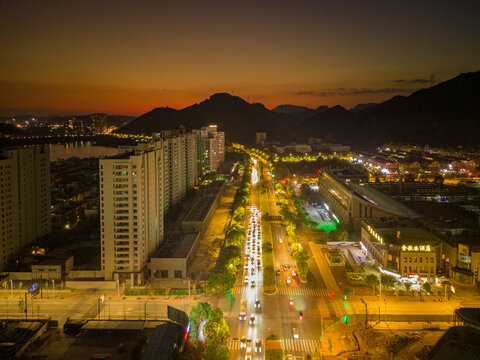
(211, 148)
(25, 198)
(136, 191)
(191, 160)
(131, 211)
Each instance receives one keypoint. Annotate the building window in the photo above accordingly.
(164, 274)
(177, 274)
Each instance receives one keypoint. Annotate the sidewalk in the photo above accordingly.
(324, 268)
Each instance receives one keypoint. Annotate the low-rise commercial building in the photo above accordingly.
(402, 247)
(200, 215)
(173, 259)
(352, 200)
(457, 227)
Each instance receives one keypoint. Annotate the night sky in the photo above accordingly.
(127, 57)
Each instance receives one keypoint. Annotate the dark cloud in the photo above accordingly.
(419, 81)
(353, 91)
(414, 81)
(308, 92)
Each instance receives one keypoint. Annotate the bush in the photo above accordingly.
(273, 354)
(268, 276)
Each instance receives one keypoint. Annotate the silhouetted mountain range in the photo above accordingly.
(238, 118)
(447, 114)
(361, 107)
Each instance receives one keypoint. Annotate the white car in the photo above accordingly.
(258, 346)
(295, 333)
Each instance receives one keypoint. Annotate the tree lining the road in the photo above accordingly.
(229, 261)
(290, 222)
(215, 330)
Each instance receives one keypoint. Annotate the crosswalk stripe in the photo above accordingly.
(305, 345)
(303, 291)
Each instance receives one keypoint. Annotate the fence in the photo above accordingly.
(143, 292)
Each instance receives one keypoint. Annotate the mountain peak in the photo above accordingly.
(225, 98)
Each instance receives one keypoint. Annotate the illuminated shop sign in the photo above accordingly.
(374, 234)
(416, 248)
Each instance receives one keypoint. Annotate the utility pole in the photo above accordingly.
(26, 312)
(321, 327)
(380, 288)
(366, 312)
(385, 310)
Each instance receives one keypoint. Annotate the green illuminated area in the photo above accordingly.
(326, 227)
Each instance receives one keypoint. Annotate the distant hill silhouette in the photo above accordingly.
(361, 107)
(447, 114)
(238, 118)
(294, 110)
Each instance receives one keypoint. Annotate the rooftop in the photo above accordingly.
(399, 189)
(177, 245)
(402, 231)
(382, 201)
(113, 325)
(459, 342)
(201, 208)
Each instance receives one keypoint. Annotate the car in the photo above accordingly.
(252, 272)
(300, 315)
(252, 320)
(248, 354)
(246, 266)
(356, 278)
(289, 357)
(277, 272)
(290, 301)
(294, 274)
(288, 281)
(280, 241)
(285, 268)
(252, 285)
(257, 304)
(247, 257)
(295, 333)
(243, 343)
(258, 346)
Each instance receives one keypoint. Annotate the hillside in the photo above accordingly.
(238, 118)
(447, 114)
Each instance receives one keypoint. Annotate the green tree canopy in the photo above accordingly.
(388, 281)
(216, 329)
(372, 280)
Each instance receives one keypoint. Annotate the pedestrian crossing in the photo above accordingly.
(306, 345)
(239, 289)
(303, 291)
(310, 346)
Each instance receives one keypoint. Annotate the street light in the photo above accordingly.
(145, 310)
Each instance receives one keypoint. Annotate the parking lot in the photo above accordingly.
(322, 216)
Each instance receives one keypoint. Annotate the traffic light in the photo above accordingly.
(345, 319)
(345, 297)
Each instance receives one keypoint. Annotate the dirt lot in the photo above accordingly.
(396, 344)
(212, 242)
